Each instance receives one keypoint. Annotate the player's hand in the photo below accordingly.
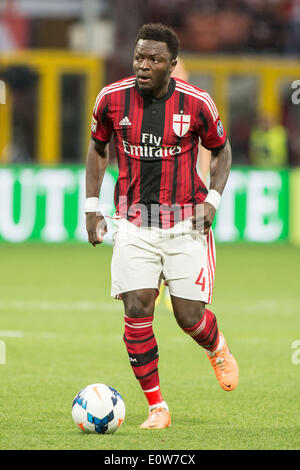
(96, 227)
(203, 217)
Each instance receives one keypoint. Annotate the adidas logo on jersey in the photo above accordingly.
(125, 122)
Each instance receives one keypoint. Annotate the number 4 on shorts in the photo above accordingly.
(201, 280)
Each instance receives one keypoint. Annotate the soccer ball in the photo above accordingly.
(98, 408)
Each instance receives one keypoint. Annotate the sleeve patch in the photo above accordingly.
(94, 124)
(220, 129)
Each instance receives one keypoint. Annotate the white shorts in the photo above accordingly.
(143, 257)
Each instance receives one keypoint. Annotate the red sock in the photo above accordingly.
(205, 332)
(143, 356)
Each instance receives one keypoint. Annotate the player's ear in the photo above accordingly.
(173, 65)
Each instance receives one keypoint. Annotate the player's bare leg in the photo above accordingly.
(201, 324)
(143, 353)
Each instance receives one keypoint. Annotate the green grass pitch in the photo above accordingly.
(62, 331)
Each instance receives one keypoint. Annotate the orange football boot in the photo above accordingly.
(158, 418)
(225, 367)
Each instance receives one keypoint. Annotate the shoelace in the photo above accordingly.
(221, 361)
(156, 414)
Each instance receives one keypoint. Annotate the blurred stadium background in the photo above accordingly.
(55, 56)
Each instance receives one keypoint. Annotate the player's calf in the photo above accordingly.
(143, 356)
(206, 334)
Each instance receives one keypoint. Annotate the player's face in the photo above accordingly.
(152, 65)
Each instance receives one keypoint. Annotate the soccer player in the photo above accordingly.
(164, 210)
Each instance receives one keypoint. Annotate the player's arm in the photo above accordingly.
(219, 171)
(96, 163)
(204, 160)
(220, 167)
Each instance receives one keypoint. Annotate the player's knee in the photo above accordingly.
(138, 305)
(190, 315)
(138, 311)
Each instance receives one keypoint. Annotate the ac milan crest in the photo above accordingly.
(181, 124)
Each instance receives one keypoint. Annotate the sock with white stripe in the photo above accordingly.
(205, 332)
(143, 356)
(162, 404)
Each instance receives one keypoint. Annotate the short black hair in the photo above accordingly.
(162, 33)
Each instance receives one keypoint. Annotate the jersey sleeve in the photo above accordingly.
(211, 130)
(101, 126)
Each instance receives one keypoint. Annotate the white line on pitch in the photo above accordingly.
(58, 305)
(11, 334)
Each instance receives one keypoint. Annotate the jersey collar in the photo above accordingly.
(170, 92)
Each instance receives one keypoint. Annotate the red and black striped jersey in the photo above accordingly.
(156, 143)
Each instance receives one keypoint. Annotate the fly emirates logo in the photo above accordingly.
(150, 147)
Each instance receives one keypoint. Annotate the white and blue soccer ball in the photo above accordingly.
(98, 408)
